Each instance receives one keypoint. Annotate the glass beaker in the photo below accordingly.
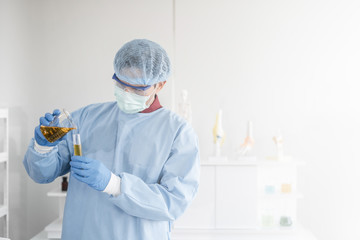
(61, 125)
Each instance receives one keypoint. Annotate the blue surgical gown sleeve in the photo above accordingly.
(167, 199)
(45, 168)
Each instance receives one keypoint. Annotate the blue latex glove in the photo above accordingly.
(90, 171)
(39, 137)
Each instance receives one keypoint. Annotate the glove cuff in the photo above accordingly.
(42, 149)
(113, 187)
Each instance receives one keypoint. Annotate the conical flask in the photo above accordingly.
(59, 127)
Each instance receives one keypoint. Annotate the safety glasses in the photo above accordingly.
(139, 90)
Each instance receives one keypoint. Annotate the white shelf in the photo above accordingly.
(278, 233)
(4, 112)
(4, 157)
(54, 226)
(282, 195)
(230, 234)
(40, 236)
(281, 163)
(3, 210)
(4, 160)
(228, 163)
(56, 193)
(223, 231)
(252, 162)
(54, 229)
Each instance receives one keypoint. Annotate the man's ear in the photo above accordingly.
(161, 85)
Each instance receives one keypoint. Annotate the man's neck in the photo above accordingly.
(155, 105)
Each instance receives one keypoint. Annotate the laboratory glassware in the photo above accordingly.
(61, 125)
(77, 143)
(64, 184)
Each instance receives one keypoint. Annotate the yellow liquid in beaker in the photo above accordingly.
(54, 133)
(77, 150)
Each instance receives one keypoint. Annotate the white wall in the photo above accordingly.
(292, 65)
(289, 64)
(13, 94)
(58, 54)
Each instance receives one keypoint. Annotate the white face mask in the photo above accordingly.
(129, 102)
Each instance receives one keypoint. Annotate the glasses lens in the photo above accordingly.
(140, 92)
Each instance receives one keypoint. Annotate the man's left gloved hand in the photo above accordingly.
(90, 171)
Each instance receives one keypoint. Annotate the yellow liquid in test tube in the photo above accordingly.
(77, 145)
(77, 150)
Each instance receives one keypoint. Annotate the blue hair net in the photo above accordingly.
(142, 61)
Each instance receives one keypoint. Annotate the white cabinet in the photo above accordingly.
(227, 198)
(278, 194)
(203, 207)
(236, 196)
(249, 194)
(247, 199)
(4, 173)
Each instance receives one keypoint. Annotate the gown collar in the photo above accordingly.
(154, 106)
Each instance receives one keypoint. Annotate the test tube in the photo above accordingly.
(77, 144)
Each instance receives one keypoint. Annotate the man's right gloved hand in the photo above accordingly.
(44, 121)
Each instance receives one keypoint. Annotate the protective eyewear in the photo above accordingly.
(141, 91)
(127, 85)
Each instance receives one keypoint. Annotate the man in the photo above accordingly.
(140, 165)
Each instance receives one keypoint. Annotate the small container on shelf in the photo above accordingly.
(268, 220)
(268, 217)
(269, 189)
(64, 184)
(285, 221)
(286, 188)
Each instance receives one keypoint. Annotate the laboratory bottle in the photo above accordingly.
(64, 184)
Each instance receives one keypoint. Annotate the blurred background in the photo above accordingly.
(282, 64)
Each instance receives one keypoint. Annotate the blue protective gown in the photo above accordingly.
(156, 156)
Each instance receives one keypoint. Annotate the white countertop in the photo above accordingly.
(299, 233)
